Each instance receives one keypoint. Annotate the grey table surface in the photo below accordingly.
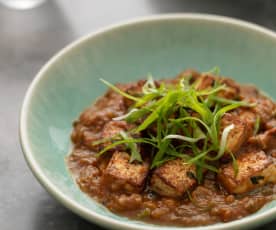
(27, 40)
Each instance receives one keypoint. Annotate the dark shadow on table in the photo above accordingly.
(55, 217)
(262, 12)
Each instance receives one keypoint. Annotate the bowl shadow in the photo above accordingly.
(262, 12)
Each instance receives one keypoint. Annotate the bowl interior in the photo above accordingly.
(161, 47)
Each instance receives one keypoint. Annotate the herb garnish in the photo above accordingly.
(256, 179)
(186, 123)
(257, 125)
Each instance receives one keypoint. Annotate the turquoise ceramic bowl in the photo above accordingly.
(162, 45)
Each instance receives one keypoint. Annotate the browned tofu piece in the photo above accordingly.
(270, 124)
(265, 109)
(109, 131)
(189, 73)
(121, 175)
(248, 92)
(173, 178)
(265, 141)
(268, 139)
(238, 135)
(132, 88)
(204, 82)
(232, 88)
(248, 116)
(255, 169)
(112, 129)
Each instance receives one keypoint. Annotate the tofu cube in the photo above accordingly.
(232, 88)
(112, 130)
(204, 82)
(173, 178)
(238, 135)
(255, 169)
(267, 140)
(120, 174)
(265, 109)
(249, 117)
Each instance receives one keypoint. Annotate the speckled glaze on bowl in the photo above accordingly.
(162, 45)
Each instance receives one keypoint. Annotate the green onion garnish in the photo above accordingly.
(177, 121)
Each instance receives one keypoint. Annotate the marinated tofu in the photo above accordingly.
(112, 130)
(232, 89)
(254, 169)
(121, 175)
(265, 141)
(265, 109)
(270, 124)
(268, 139)
(189, 73)
(247, 92)
(249, 117)
(204, 82)
(238, 135)
(173, 178)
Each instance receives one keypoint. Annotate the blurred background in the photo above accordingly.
(28, 38)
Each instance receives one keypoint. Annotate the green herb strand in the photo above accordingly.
(180, 122)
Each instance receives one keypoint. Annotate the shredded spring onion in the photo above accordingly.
(125, 116)
(165, 113)
(183, 138)
(223, 142)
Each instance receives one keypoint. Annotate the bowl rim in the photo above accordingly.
(105, 221)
